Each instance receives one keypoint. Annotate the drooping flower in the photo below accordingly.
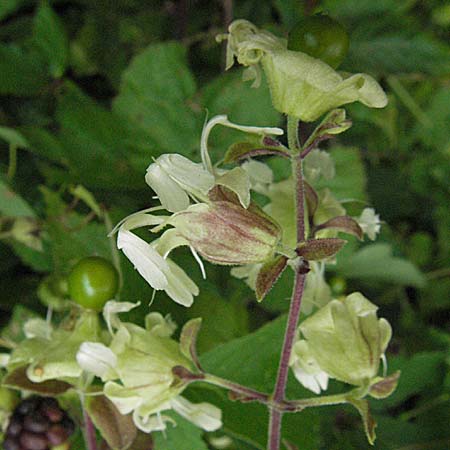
(343, 325)
(226, 233)
(300, 86)
(161, 273)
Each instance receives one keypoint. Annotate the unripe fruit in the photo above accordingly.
(92, 282)
(320, 37)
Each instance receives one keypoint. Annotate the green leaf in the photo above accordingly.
(70, 236)
(184, 435)
(436, 133)
(117, 429)
(106, 160)
(155, 101)
(8, 7)
(261, 352)
(51, 39)
(376, 262)
(23, 73)
(11, 204)
(400, 54)
(350, 179)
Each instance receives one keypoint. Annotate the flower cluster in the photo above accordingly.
(212, 214)
(136, 368)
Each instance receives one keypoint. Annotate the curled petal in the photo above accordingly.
(204, 415)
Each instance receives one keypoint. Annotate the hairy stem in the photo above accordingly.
(89, 432)
(242, 392)
(274, 433)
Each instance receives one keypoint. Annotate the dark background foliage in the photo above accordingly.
(90, 91)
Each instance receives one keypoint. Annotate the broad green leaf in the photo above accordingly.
(363, 8)
(376, 262)
(222, 320)
(182, 436)
(436, 132)
(51, 39)
(156, 101)
(106, 157)
(260, 351)
(400, 54)
(11, 204)
(8, 7)
(70, 237)
(22, 73)
(350, 180)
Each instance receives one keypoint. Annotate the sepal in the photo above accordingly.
(317, 249)
(268, 275)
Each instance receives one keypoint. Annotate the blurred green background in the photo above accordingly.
(90, 91)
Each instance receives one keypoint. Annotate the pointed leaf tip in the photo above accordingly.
(268, 275)
(317, 249)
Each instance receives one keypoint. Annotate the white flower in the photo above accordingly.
(204, 415)
(96, 358)
(161, 273)
(223, 120)
(174, 177)
(369, 223)
(306, 369)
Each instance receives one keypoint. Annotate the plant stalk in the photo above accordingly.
(89, 432)
(275, 421)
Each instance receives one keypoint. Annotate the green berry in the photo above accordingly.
(92, 282)
(320, 37)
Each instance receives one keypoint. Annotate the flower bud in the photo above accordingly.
(225, 233)
(347, 340)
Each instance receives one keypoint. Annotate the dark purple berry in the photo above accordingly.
(15, 425)
(33, 441)
(52, 411)
(68, 424)
(57, 434)
(28, 405)
(37, 423)
(11, 443)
